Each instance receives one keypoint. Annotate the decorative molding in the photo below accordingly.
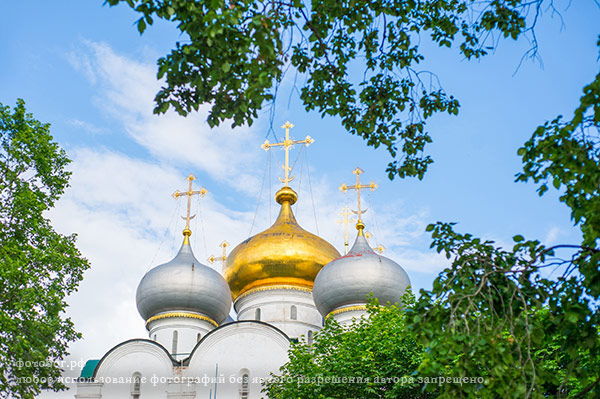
(346, 309)
(273, 288)
(181, 314)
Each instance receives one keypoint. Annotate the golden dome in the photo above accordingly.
(283, 255)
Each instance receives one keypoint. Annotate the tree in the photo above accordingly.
(39, 267)
(494, 310)
(485, 313)
(236, 53)
(374, 357)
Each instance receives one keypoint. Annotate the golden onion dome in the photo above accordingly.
(283, 255)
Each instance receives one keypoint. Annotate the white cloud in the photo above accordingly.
(126, 90)
(88, 127)
(553, 235)
(120, 207)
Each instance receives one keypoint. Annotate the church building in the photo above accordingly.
(282, 283)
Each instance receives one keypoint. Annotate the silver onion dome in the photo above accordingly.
(184, 285)
(347, 281)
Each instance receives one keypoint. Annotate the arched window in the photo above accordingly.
(174, 346)
(136, 386)
(310, 337)
(155, 337)
(257, 314)
(199, 337)
(245, 384)
(293, 312)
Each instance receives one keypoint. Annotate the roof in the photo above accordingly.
(88, 369)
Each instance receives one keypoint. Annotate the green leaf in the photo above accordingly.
(518, 238)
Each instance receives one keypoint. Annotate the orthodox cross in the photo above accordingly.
(189, 193)
(212, 259)
(344, 187)
(379, 248)
(287, 144)
(345, 220)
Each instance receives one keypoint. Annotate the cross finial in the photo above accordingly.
(189, 193)
(212, 259)
(344, 187)
(380, 248)
(345, 220)
(287, 144)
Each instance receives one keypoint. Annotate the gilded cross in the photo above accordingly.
(345, 220)
(287, 144)
(189, 193)
(379, 248)
(212, 259)
(344, 187)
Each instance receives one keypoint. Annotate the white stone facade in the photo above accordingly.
(228, 362)
(292, 310)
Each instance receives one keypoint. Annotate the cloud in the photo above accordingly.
(88, 127)
(126, 90)
(553, 235)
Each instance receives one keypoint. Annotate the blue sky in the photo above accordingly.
(84, 68)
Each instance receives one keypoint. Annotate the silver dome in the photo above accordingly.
(184, 284)
(348, 280)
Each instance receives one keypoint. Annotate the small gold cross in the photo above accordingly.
(287, 144)
(345, 220)
(189, 193)
(344, 187)
(212, 259)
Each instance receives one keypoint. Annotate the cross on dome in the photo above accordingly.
(287, 144)
(212, 259)
(345, 220)
(189, 193)
(379, 248)
(344, 188)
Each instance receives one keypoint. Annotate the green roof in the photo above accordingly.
(88, 369)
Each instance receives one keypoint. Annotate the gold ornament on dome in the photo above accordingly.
(344, 188)
(212, 259)
(287, 144)
(189, 194)
(284, 254)
(345, 220)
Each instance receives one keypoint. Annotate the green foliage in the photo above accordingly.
(498, 312)
(377, 356)
(566, 155)
(39, 267)
(357, 58)
(493, 314)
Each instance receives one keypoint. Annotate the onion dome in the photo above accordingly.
(186, 286)
(283, 255)
(346, 281)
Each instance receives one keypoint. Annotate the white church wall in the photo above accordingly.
(189, 332)
(251, 348)
(276, 309)
(117, 368)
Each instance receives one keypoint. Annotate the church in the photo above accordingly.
(282, 283)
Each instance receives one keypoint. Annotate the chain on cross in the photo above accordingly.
(287, 144)
(189, 193)
(344, 188)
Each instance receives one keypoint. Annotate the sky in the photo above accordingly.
(84, 68)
